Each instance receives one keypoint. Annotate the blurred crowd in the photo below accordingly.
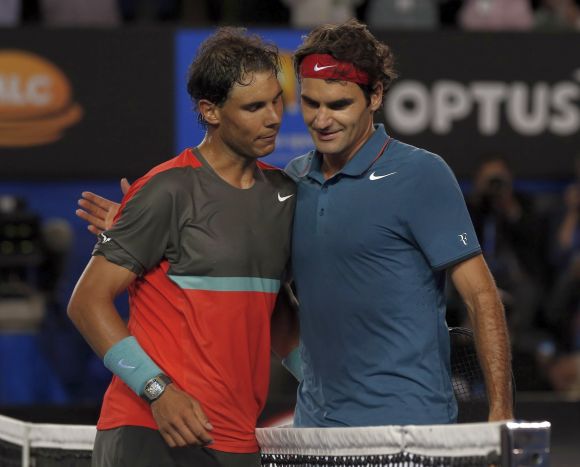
(490, 15)
(531, 242)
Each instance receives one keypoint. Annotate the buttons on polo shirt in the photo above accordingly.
(324, 189)
(322, 205)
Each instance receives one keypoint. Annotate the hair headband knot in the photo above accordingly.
(325, 66)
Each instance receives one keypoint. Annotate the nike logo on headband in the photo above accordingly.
(319, 68)
(331, 68)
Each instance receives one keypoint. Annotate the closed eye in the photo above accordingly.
(340, 104)
(254, 106)
(310, 103)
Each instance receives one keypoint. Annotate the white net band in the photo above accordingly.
(473, 439)
(45, 435)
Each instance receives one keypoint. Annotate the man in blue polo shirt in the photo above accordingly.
(378, 224)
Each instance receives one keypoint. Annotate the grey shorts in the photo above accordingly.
(136, 446)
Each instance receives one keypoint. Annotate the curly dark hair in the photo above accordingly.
(223, 60)
(351, 42)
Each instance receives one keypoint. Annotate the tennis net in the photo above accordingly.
(44, 445)
(508, 444)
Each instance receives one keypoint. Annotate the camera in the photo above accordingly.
(495, 186)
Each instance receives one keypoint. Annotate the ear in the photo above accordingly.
(209, 111)
(376, 97)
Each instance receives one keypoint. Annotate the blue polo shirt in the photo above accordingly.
(370, 249)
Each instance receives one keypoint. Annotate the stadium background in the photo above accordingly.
(461, 95)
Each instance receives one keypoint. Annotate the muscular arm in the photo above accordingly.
(180, 418)
(91, 307)
(476, 286)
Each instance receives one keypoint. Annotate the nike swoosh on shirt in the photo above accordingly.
(319, 68)
(378, 177)
(283, 198)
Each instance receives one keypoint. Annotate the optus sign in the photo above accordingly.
(36, 102)
(529, 109)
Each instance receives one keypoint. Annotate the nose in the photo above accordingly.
(322, 119)
(273, 116)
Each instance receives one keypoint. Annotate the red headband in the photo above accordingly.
(325, 66)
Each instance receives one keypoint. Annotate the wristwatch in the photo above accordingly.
(155, 387)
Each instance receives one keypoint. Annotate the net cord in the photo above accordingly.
(469, 439)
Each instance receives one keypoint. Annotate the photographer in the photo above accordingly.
(509, 231)
(567, 241)
(506, 223)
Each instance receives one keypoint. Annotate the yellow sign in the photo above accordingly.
(36, 103)
(289, 83)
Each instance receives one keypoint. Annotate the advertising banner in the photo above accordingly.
(84, 104)
(466, 95)
(100, 104)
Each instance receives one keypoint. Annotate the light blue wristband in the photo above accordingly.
(293, 363)
(128, 361)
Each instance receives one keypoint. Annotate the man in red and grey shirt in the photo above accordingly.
(202, 243)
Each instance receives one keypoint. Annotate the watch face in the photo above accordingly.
(153, 389)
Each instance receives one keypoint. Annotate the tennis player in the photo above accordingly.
(379, 226)
(192, 242)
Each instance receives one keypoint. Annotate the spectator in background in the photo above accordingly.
(10, 11)
(160, 10)
(80, 13)
(567, 241)
(562, 312)
(402, 14)
(485, 15)
(509, 232)
(558, 15)
(564, 309)
(306, 14)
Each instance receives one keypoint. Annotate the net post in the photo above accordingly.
(26, 446)
(525, 444)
